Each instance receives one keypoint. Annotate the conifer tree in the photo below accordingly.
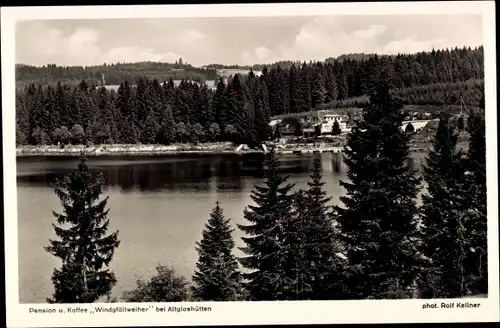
(294, 90)
(167, 133)
(475, 219)
(303, 100)
(217, 277)
(265, 250)
(219, 104)
(318, 91)
(377, 220)
(443, 232)
(336, 128)
(409, 128)
(320, 245)
(84, 248)
(331, 83)
(150, 130)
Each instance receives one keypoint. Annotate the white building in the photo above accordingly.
(327, 121)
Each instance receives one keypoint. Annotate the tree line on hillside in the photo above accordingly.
(379, 244)
(114, 74)
(239, 110)
(147, 113)
(342, 78)
(351, 70)
(449, 95)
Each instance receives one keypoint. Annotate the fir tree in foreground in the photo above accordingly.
(84, 248)
(444, 237)
(319, 246)
(476, 217)
(377, 221)
(217, 277)
(266, 248)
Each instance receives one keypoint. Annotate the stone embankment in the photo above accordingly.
(185, 149)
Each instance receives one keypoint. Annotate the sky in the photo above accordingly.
(242, 41)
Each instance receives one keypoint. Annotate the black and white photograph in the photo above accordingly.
(197, 162)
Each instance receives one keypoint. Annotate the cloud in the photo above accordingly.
(250, 40)
(247, 58)
(371, 32)
(322, 38)
(262, 52)
(409, 45)
(82, 47)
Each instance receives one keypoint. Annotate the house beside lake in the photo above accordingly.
(328, 120)
(310, 125)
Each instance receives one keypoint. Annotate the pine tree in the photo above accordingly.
(318, 90)
(475, 220)
(219, 103)
(294, 90)
(377, 221)
(61, 105)
(150, 130)
(298, 131)
(124, 105)
(217, 277)
(443, 233)
(331, 83)
(320, 245)
(409, 128)
(336, 128)
(167, 133)
(303, 98)
(84, 248)
(266, 236)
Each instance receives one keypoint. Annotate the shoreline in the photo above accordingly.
(152, 151)
(148, 150)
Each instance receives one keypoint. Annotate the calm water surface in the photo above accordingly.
(159, 204)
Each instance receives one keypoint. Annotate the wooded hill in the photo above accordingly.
(147, 109)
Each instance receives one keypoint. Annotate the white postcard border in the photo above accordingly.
(386, 311)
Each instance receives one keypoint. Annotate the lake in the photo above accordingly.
(159, 204)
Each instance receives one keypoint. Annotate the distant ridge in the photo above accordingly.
(282, 63)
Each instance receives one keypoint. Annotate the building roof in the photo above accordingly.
(274, 122)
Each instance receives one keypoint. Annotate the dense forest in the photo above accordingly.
(114, 74)
(68, 104)
(380, 243)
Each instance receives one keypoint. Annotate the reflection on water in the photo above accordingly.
(195, 173)
(158, 203)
